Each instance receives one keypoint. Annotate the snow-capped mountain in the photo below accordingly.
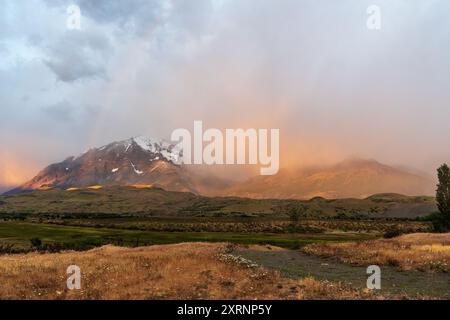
(138, 160)
(143, 160)
(160, 149)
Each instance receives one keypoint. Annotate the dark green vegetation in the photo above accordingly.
(441, 221)
(25, 235)
(130, 216)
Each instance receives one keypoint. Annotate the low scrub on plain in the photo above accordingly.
(181, 271)
(418, 251)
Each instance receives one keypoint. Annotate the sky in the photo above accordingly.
(311, 68)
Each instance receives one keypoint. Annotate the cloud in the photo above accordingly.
(14, 170)
(62, 111)
(132, 13)
(79, 55)
(3, 48)
(132, 16)
(309, 68)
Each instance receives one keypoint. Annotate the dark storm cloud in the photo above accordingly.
(138, 12)
(141, 17)
(79, 55)
(134, 16)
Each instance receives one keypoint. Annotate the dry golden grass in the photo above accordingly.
(182, 271)
(432, 247)
(419, 251)
(96, 187)
(143, 186)
(425, 238)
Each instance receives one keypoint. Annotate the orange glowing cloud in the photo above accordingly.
(14, 170)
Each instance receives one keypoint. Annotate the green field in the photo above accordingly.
(129, 216)
(20, 234)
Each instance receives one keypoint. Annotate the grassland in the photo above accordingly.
(130, 216)
(423, 252)
(182, 271)
(19, 235)
(155, 202)
(161, 236)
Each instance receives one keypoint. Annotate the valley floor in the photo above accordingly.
(395, 280)
(201, 271)
(180, 271)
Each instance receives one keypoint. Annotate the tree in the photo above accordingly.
(443, 191)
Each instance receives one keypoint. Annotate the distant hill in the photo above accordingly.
(354, 178)
(147, 201)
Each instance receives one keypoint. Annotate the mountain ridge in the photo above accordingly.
(351, 178)
(138, 160)
(143, 160)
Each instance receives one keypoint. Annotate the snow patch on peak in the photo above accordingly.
(152, 145)
(169, 151)
(159, 149)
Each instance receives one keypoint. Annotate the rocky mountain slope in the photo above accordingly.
(143, 160)
(134, 161)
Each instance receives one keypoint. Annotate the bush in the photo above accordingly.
(392, 233)
(439, 222)
(36, 242)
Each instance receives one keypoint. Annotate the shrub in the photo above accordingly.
(295, 213)
(439, 222)
(392, 233)
(36, 242)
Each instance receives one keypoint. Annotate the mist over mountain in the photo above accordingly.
(351, 178)
(143, 160)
